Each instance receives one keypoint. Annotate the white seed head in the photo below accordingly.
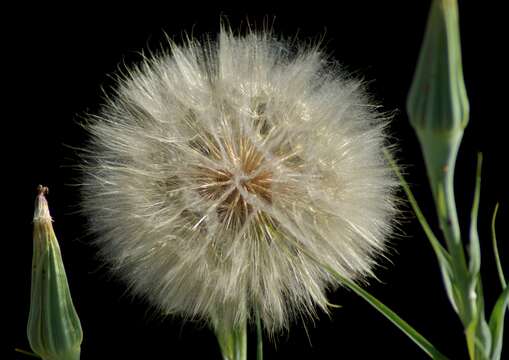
(212, 165)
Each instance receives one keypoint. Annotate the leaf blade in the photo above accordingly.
(443, 257)
(495, 247)
(406, 328)
(496, 323)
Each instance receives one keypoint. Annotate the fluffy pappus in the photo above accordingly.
(212, 166)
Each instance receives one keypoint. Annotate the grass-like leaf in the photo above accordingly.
(440, 251)
(474, 246)
(495, 247)
(497, 324)
(477, 333)
(444, 259)
(483, 340)
(406, 328)
(27, 353)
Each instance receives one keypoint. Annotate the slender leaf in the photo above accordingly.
(406, 328)
(495, 248)
(497, 324)
(483, 334)
(28, 353)
(440, 251)
(444, 259)
(477, 342)
(474, 246)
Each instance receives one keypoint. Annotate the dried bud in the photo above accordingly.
(54, 329)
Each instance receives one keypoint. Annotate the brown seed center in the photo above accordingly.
(233, 188)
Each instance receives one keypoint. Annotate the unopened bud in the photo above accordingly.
(54, 329)
(437, 103)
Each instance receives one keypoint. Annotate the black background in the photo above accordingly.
(64, 57)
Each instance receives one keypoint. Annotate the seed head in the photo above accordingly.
(214, 164)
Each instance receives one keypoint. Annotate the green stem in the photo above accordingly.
(440, 162)
(259, 338)
(232, 341)
(440, 155)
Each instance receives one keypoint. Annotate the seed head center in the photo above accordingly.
(236, 188)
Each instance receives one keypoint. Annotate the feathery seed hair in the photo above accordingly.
(213, 165)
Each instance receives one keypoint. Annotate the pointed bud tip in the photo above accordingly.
(41, 212)
(42, 190)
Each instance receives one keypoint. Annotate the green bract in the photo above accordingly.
(54, 329)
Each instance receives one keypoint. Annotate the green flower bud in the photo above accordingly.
(54, 329)
(437, 103)
(438, 109)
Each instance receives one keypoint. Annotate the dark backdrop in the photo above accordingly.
(65, 56)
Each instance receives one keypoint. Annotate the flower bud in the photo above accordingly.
(54, 329)
(437, 103)
(438, 109)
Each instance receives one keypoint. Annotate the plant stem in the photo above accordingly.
(232, 341)
(259, 338)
